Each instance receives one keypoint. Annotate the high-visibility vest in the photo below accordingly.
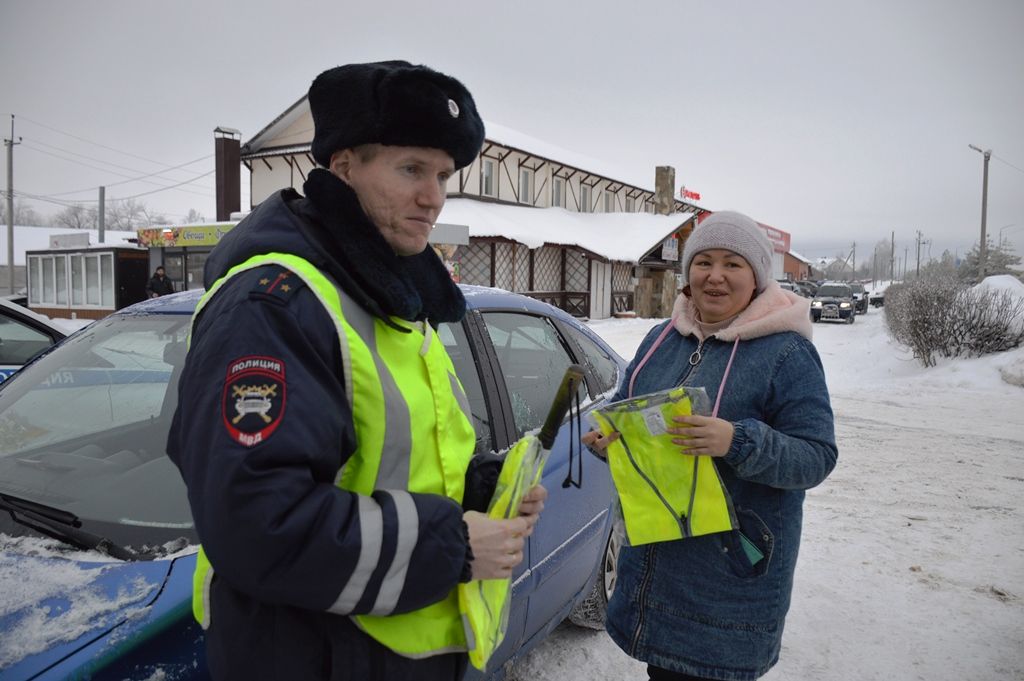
(389, 375)
(664, 495)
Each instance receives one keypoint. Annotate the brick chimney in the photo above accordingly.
(227, 162)
(664, 190)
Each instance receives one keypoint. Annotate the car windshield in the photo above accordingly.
(84, 430)
(834, 290)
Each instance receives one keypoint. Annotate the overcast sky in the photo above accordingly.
(837, 122)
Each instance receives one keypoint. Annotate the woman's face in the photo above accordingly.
(722, 284)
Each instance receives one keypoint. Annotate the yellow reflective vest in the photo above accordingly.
(665, 495)
(388, 375)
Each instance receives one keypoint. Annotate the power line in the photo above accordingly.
(82, 139)
(115, 165)
(173, 186)
(107, 170)
(1008, 163)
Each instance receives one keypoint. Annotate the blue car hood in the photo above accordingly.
(50, 607)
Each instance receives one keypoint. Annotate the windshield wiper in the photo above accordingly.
(63, 526)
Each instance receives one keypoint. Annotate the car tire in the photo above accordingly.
(852, 318)
(592, 611)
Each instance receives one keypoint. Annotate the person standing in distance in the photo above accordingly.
(159, 284)
(322, 434)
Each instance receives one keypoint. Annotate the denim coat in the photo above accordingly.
(698, 606)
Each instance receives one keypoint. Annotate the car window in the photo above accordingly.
(19, 342)
(84, 429)
(453, 336)
(533, 359)
(605, 368)
(833, 290)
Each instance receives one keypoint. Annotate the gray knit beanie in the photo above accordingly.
(734, 232)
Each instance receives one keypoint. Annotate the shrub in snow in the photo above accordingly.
(940, 316)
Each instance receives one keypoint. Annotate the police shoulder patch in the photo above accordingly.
(254, 398)
(276, 283)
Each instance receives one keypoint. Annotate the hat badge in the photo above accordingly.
(453, 108)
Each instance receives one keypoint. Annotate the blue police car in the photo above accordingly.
(97, 546)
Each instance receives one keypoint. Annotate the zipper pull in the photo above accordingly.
(695, 357)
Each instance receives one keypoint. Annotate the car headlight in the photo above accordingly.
(816, 303)
(844, 305)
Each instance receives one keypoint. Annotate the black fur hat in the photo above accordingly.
(393, 103)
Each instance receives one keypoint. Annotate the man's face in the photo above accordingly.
(160, 272)
(401, 189)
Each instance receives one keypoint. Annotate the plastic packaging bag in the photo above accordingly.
(665, 495)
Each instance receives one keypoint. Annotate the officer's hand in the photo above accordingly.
(497, 544)
(598, 443)
(531, 506)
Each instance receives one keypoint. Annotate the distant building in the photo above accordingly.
(599, 237)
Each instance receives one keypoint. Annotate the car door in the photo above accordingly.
(477, 370)
(567, 544)
(21, 338)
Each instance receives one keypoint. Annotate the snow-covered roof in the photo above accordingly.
(507, 137)
(800, 257)
(494, 133)
(38, 239)
(625, 237)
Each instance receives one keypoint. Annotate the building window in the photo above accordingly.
(525, 185)
(77, 269)
(48, 280)
(558, 192)
(609, 202)
(584, 198)
(487, 179)
(629, 204)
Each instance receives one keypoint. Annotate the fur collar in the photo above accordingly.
(773, 311)
(412, 287)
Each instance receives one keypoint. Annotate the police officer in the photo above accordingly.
(322, 434)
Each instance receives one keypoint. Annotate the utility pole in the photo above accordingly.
(892, 257)
(10, 206)
(854, 256)
(906, 251)
(919, 253)
(983, 244)
(101, 215)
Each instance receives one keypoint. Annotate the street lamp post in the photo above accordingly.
(983, 246)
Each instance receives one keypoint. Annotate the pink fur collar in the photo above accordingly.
(773, 311)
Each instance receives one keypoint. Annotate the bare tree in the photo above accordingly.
(194, 216)
(129, 214)
(23, 214)
(77, 217)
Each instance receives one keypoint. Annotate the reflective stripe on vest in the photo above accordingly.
(389, 375)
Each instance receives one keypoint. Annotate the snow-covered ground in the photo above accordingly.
(912, 562)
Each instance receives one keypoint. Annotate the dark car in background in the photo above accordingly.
(97, 544)
(860, 297)
(833, 302)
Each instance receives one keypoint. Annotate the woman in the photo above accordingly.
(713, 606)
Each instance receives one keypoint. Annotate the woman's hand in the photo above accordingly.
(598, 443)
(703, 435)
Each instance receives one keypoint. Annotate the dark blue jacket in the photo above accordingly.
(282, 537)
